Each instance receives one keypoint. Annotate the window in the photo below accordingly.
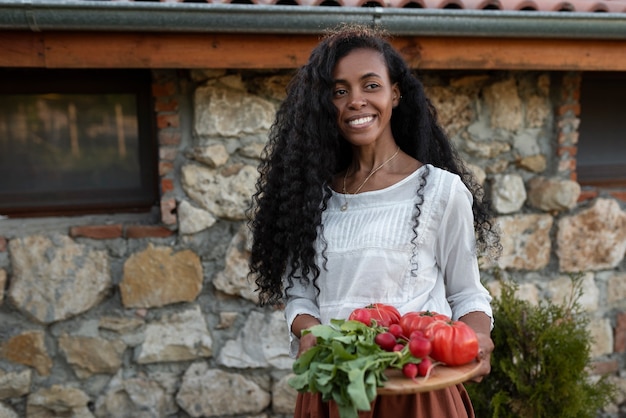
(76, 141)
(601, 158)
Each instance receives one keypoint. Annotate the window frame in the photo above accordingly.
(90, 81)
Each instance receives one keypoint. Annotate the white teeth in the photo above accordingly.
(361, 121)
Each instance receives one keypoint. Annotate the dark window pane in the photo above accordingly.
(601, 158)
(76, 142)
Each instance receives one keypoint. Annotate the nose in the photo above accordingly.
(357, 101)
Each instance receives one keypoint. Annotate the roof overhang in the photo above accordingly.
(118, 34)
(72, 15)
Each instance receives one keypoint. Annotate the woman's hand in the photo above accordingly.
(481, 324)
(306, 342)
(301, 323)
(485, 348)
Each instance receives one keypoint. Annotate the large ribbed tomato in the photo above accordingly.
(453, 342)
(383, 314)
(419, 321)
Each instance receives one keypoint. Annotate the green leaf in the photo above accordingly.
(325, 332)
(351, 326)
(340, 352)
(346, 365)
(303, 363)
(371, 384)
(346, 339)
(299, 382)
(356, 390)
(337, 322)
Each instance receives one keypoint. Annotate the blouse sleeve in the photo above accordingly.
(456, 255)
(299, 299)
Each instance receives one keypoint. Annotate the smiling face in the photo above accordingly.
(364, 97)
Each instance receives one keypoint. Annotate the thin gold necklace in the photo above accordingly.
(344, 207)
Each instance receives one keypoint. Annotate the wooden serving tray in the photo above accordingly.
(440, 377)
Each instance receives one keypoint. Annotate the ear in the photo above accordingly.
(395, 95)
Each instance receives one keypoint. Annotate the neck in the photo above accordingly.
(366, 161)
(371, 173)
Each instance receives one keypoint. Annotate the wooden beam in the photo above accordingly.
(518, 54)
(21, 49)
(250, 51)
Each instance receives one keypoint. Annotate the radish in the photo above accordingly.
(396, 330)
(410, 370)
(385, 340)
(420, 347)
(398, 347)
(424, 367)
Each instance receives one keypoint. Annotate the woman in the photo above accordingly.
(363, 199)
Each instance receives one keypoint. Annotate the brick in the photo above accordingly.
(619, 194)
(169, 137)
(168, 153)
(163, 89)
(619, 338)
(166, 105)
(602, 368)
(567, 138)
(571, 83)
(571, 151)
(567, 165)
(588, 195)
(165, 167)
(97, 231)
(148, 231)
(570, 107)
(167, 185)
(168, 211)
(168, 121)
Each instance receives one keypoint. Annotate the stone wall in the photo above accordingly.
(151, 315)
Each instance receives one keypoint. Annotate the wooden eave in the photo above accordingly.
(86, 49)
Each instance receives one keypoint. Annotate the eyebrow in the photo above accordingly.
(363, 77)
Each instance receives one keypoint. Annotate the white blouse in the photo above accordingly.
(371, 257)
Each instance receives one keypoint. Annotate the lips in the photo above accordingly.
(360, 121)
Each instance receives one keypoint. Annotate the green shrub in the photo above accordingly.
(540, 362)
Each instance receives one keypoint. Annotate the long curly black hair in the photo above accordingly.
(305, 151)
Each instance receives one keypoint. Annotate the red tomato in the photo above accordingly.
(383, 314)
(416, 334)
(453, 342)
(362, 315)
(419, 321)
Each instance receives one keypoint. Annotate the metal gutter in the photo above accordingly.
(72, 15)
